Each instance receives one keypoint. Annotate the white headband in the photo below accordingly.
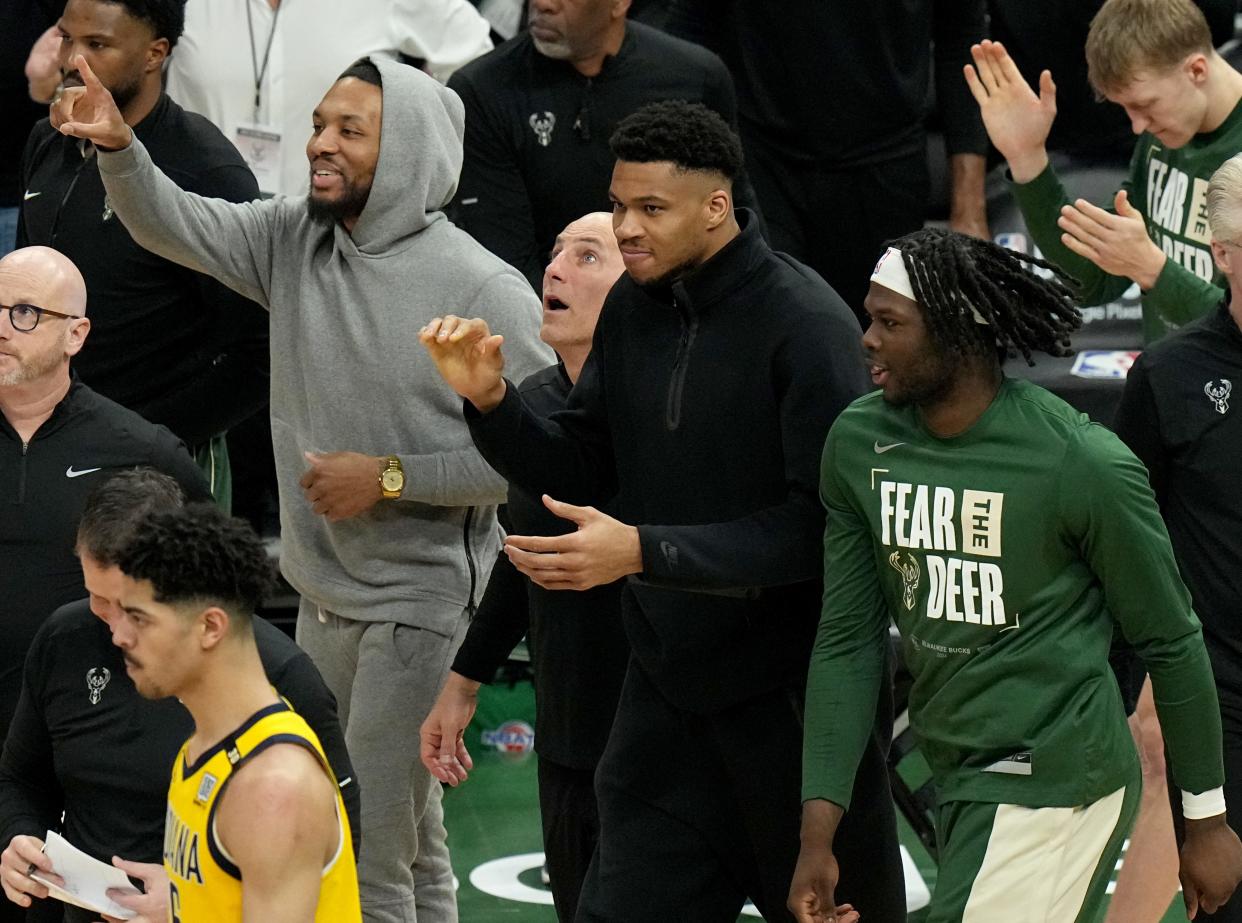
(891, 273)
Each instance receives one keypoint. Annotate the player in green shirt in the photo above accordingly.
(1155, 58)
(1006, 535)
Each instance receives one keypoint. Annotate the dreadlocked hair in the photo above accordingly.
(952, 273)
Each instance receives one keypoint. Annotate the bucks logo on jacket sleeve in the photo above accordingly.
(205, 884)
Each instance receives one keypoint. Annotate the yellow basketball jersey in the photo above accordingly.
(204, 883)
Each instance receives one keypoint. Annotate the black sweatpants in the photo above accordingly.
(570, 831)
(837, 220)
(699, 812)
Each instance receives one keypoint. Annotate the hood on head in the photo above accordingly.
(420, 157)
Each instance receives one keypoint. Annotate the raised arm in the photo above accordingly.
(230, 241)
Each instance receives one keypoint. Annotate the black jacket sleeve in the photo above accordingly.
(236, 383)
(502, 620)
(1137, 424)
(299, 681)
(169, 456)
(568, 455)
(492, 203)
(956, 25)
(31, 800)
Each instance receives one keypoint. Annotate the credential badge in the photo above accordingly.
(96, 679)
(1218, 393)
(910, 575)
(543, 123)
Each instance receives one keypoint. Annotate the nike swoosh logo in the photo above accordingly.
(881, 449)
(27, 196)
(70, 473)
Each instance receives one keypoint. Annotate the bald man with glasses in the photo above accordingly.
(58, 439)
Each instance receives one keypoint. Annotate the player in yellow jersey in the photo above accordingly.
(256, 830)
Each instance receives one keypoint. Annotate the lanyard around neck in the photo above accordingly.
(260, 70)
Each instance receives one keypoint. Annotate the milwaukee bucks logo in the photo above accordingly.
(1218, 393)
(906, 565)
(542, 124)
(96, 679)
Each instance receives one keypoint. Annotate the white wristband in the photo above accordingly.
(1207, 804)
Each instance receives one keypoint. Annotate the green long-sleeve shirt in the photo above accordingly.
(1005, 555)
(1169, 188)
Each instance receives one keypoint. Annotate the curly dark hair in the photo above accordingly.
(689, 135)
(112, 508)
(951, 273)
(165, 17)
(198, 554)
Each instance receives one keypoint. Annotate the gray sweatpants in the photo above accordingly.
(386, 677)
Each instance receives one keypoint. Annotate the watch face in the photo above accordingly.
(392, 480)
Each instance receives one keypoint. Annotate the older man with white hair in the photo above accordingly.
(1180, 415)
(58, 439)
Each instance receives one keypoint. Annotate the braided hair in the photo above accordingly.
(955, 276)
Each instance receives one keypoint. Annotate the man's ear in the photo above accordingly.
(718, 207)
(76, 335)
(214, 625)
(157, 53)
(1220, 257)
(1196, 68)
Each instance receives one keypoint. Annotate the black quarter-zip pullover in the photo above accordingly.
(43, 487)
(1181, 414)
(704, 407)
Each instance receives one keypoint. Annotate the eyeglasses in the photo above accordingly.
(25, 317)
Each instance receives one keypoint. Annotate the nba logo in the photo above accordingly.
(1012, 241)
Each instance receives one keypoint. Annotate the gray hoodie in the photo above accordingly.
(348, 372)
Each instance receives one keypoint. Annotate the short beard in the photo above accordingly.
(666, 279)
(557, 51)
(349, 205)
(33, 368)
(928, 383)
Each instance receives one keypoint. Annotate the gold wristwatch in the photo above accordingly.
(392, 479)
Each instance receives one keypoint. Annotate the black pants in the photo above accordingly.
(699, 812)
(570, 831)
(836, 221)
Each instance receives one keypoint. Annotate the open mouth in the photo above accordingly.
(879, 374)
(72, 80)
(552, 303)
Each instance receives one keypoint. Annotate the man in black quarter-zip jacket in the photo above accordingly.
(716, 371)
(58, 439)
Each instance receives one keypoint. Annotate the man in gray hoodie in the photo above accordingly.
(387, 510)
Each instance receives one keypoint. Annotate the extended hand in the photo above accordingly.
(1118, 243)
(340, 485)
(90, 112)
(151, 906)
(1211, 864)
(443, 747)
(811, 892)
(601, 551)
(1016, 119)
(15, 862)
(467, 354)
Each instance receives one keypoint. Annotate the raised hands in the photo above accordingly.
(1117, 243)
(90, 112)
(602, 550)
(1016, 119)
(468, 357)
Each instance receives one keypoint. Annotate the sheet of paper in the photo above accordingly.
(87, 880)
